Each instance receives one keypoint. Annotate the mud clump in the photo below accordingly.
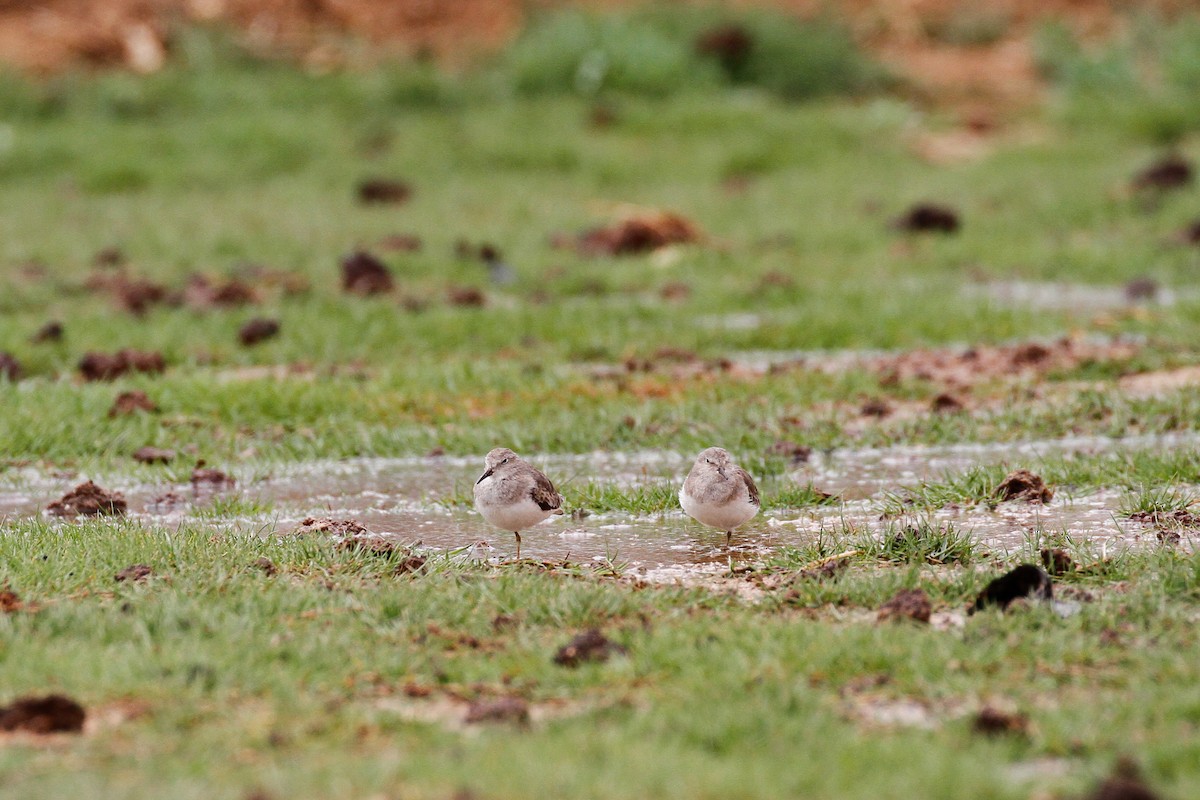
(364, 274)
(129, 403)
(135, 573)
(1027, 580)
(111, 256)
(514, 710)
(589, 646)
(991, 721)
(1126, 783)
(1170, 172)
(258, 330)
(824, 569)
(153, 455)
(875, 407)
(1176, 518)
(383, 191)
(1191, 234)
(1057, 562)
(911, 604)
(88, 499)
(640, 233)
(52, 713)
(367, 545)
(50, 332)
(466, 297)
(109, 366)
(138, 295)
(401, 243)
(203, 292)
(928, 218)
(730, 45)
(946, 403)
(206, 479)
(10, 601)
(1024, 485)
(329, 526)
(266, 566)
(10, 368)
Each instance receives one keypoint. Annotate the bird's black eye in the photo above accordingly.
(504, 461)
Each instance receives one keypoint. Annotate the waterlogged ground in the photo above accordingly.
(316, 282)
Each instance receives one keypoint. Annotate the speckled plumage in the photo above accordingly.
(719, 493)
(514, 495)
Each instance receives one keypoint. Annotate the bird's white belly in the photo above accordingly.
(725, 516)
(514, 516)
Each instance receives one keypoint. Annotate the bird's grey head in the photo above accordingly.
(717, 456)
(498, 456)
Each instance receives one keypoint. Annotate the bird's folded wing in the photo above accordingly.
(544, 493)
(750, 487)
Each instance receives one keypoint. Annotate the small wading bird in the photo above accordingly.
(719, 493)
(513, 495)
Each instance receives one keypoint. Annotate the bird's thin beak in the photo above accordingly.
(721, 472)
(487, 474)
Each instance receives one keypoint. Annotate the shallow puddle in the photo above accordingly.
(406, 499)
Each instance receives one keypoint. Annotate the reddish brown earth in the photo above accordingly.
(53, 713)
(911, 604)
(920, 39)
(88, 499)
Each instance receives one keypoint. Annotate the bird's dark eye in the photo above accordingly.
(504, 461)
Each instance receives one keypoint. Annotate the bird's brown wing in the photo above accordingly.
(750, 487)
(544, 493)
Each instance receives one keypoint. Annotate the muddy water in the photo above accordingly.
(406, 499)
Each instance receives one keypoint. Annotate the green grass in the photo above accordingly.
(745, 685)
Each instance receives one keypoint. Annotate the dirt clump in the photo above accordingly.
(205, 478)
(364, 274)
(134, 573)
(928, 218)
(109, 366)
(10, 601)
(1191, 234)
(367, 545)
(52, 331)
(131, 402)
(1021, 484)
(401, 243)
(1026, 580)
(466, 297)
(875, 407)
(1126, 783)
(138, 295)
(153, 455)
(1175, 518)
(52, 713)
(946, 403)
(88, 499)
(258, 330)
(589, 646)
(383, 191)
(1170, 172)
(911, 604)
(10, 368)
(204, 292)
(266, 566)
(111, 256)
(826, 568)
(639, 233)
(329, 526)
(730, 45)
(509, 709)
(1057, 562)
(992, 721)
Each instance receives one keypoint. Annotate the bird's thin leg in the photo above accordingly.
(728, 538)
(518, 535)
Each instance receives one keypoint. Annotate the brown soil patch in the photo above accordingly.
(907, 604)
(203, 292)
(589, 646)
(928, 218)
(10, 601)
(364, 274)
(514, 710)
(211, 480)
(1057, 562)
(331, 527)
(10, 368)
(1171, 172)
(1178, 518)
(109, 366)
(381, 191)
(642, 232)
(130, 403)
(153, 455)
(135, 573)
(992, 721)
(1126, 783)
(53, 713)
(258, 330)
(50, 332)
(962, 369)
(1022, 484)
(88, 499)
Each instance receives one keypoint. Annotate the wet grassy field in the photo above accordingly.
(251, 660)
